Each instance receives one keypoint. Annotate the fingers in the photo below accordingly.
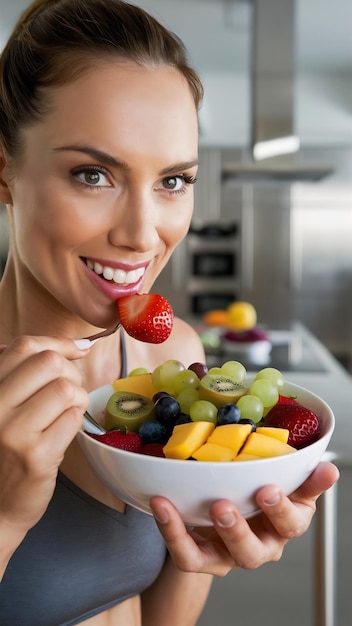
(39, 365)
(37, 371)
(323, 477)
(229, 544)
(236, 542)
(291, 516)
(21, 348)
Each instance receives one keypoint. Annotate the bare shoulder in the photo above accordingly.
(183, 344)
(185, 338)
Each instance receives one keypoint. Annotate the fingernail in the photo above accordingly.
(227, 520)
(161, 515)
(274, 499)
(82, 344)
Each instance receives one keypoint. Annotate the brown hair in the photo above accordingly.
(55, 40)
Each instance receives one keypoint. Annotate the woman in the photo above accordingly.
(98, 156)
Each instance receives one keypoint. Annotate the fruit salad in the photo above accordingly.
(206, 415)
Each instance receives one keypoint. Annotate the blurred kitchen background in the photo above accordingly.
(274, 231)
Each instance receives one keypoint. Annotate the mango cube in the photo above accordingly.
(231, 436)
(186, 439)
(141, 384)
(242, 456)
(212, 452)
(263, 446)
(273, 431)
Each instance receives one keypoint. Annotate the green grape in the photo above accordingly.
(138, 371)
(251, 407)
(203, 411)
(215, 370)
(265, 390)
(186, 398)
(184, 379)
(271, 373)
(235, 369)
(164, 375)
(156, 378)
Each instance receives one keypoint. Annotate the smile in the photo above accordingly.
(119, 276)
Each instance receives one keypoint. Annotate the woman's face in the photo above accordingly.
(104, 191)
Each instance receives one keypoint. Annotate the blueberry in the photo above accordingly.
(248, 421)
(183, 419)
(228, 414)
(160, 394)
(167, 410)
(153, 432)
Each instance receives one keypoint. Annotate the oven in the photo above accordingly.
(212, 267)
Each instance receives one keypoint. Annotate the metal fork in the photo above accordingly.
(91, 426)
(103, 333)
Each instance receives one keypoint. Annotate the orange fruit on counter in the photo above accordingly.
(216, 317)
(241, 316)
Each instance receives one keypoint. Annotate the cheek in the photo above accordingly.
(178, 225)
(48, 219)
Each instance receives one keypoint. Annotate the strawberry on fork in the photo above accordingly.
(147, 317)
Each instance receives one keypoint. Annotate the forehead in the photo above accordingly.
(124, 103)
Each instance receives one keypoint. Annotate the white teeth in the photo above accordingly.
(119, 276)
(98, 268)
(108, 273)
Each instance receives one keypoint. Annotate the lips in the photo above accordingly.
(118, 276)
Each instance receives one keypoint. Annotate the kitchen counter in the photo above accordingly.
(309, 364)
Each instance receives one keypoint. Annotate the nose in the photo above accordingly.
(136, 224)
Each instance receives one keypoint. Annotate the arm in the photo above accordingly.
(42, 402)
(176, 598)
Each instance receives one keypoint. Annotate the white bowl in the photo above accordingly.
(193, 485)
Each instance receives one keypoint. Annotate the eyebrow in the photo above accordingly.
(106, 158)
(99, 155)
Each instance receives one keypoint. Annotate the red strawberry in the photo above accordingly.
(132, 442)
(286, 400)
(147, 317)
(303, 424)
(153, 449)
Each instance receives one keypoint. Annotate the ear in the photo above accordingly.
(5, 194)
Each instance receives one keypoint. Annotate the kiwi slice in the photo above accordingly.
(220, 389)
(128, 409)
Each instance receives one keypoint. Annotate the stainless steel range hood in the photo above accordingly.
(272, 86)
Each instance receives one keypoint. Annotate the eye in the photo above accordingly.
(173, 183)
(177, 184)
(92, 176)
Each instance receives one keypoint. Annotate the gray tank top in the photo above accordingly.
(79, 560)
